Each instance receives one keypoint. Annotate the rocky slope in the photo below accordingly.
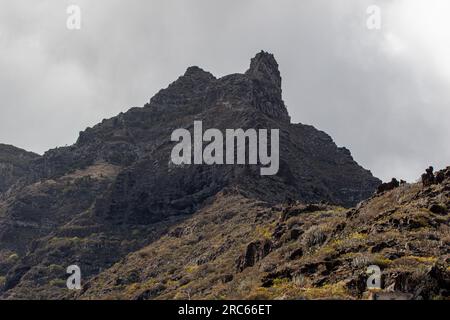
(115, 191)
(14, 165)
(240, 248)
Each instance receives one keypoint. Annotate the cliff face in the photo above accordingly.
(115, 190)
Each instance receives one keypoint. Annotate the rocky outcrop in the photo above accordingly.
(255, 252)
(430, 178)
(388, 186)
(266, 79)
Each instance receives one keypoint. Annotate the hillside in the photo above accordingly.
(239, 248)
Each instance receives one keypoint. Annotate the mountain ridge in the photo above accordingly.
(114, 191)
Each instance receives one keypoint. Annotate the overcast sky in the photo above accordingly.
(384, 94)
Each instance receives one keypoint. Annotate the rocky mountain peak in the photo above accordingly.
(259, 87)
(198, 73)
(192, 85)
(264, 67)
(266, 78)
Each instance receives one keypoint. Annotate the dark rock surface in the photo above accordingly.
(255, 252)
(388, 186)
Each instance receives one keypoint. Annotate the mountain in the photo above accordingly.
(115, 190)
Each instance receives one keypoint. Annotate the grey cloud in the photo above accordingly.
(391, 111)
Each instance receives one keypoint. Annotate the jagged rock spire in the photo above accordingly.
(264, 67)
(268, 96)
